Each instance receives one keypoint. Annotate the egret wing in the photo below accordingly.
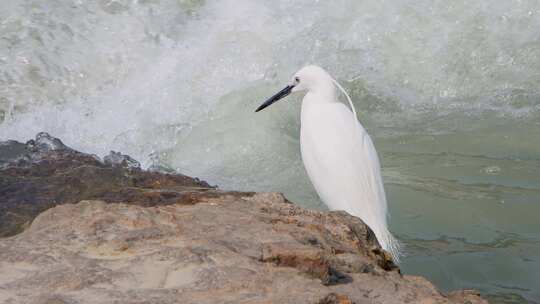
(342, 163)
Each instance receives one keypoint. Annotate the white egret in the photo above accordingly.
(338, 153)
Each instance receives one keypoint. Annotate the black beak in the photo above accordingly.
(286, 91)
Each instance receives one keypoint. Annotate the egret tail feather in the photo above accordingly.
(390, 244)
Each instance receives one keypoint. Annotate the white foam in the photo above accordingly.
(176, 81)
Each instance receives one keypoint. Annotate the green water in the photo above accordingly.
(467, 207)
(467, 204)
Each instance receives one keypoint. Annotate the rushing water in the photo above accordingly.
(449, 91)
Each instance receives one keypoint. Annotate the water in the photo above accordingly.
(448, 90)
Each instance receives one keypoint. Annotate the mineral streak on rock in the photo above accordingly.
(173, 239)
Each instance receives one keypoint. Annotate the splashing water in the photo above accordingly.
(448, 89)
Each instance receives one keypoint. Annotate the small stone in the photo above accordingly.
(117, 159)
(45, 143)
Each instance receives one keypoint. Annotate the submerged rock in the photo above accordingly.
(114, 233)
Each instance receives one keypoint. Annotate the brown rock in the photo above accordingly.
(226, 248)
(44, 173)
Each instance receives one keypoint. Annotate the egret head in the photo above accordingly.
(308, 78)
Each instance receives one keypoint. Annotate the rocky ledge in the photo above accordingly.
(105, 231)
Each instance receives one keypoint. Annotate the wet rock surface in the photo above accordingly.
(113, 233)
(44, 173)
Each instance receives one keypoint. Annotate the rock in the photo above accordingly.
(109, 232)
(44, 173)
(223, 249)
(10, 151)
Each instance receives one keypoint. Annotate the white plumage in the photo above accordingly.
(338, 153)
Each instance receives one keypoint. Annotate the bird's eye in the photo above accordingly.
(297, 79)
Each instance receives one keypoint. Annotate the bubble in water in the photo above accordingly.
(493, 170)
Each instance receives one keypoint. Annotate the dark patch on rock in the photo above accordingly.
(336, 277)
(334, 298)
(306, 259)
